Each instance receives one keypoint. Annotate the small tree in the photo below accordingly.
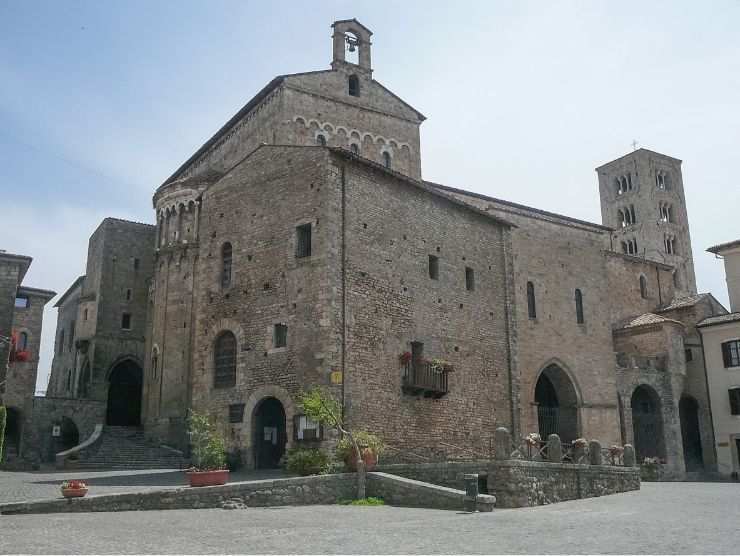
(2, 430)
(320, 406)
(207, 446)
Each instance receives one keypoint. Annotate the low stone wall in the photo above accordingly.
(449, 474)
(400, 491)
(517, 483)
(295, 491)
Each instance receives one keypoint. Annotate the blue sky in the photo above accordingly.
(101, 101)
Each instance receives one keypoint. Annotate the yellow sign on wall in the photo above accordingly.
(336, 377)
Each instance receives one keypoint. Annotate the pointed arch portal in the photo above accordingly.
(124, 394)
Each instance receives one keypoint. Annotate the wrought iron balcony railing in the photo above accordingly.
(425, 378)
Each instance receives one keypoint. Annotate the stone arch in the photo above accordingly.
(69, 436)
(688, 411)
(329, 128)
(250, 407)
(647, 423)
(299, 120)
(342, 130)
(557, 398)
(125, 382)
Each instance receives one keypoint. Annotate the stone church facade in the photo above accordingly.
(300, 246)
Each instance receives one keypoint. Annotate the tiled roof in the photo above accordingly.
(720, 319)
(648, 319)
(683, 302)
(723, 246)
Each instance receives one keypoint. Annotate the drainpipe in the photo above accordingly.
(709, 398)
(344, 287)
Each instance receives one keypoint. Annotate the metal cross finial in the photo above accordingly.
(634, 144)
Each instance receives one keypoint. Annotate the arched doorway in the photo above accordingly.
(647, 424)
(70, 436)
(688, 410)
(124, 394)
(12, 445)
(269, 433)
(557, 404)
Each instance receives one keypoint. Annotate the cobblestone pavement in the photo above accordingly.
(679, 518)
(21, 486)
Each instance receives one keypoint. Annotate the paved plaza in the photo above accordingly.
(679, 518)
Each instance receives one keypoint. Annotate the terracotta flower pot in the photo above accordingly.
(74, 492)
(369, 457)
(208, 478)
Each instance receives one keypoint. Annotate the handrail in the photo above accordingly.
(61, 457)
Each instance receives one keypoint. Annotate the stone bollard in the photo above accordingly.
(502, 443)
(594, 452)
(579, 453)
(554, 449)
(628, 457)
(471, 491)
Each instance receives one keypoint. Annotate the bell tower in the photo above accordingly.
(642, 198)
(351, 36)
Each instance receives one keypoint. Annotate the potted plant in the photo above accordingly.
(74, 489)
(307, 461)
(208, 453)
(404, 358)
(370, 446)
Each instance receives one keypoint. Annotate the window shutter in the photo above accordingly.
(734, 401)
(726, 354)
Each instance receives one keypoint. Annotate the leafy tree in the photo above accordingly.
(320, 406)
(207, 446)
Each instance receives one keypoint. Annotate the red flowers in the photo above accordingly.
(405, 357)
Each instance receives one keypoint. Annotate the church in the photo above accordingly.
(301, 246)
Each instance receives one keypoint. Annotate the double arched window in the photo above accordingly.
(224, 360)
(226, 254)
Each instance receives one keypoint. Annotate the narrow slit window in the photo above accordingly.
(226, 260)
(531, 301)
(579, 307)
(353, 85)
(303, 241)
(387, 159)
(280, 336)
(643, 287)
(433, 267)
(469, 279)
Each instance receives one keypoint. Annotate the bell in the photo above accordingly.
(351, 47)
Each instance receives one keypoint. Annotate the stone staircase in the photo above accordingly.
(127, 448)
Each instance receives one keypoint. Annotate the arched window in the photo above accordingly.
(354, 86)
(155, 364)
(22, 342)
(579, 307)
(354, 148)
(387, 159)
(226, 265)
(224, 359)
(531, 302)
(643, 287)
(84, 387)
(321, 140)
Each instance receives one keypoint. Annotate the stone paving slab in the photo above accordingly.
(672, 518)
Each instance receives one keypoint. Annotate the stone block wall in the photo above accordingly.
(529, 483)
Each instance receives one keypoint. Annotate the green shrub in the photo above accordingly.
(307, 461)
(370, 501)
(2, 430)
(365, 440)
(207, 446)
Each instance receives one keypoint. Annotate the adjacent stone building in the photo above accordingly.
(300, 246)
(21, 315)
(720, 337)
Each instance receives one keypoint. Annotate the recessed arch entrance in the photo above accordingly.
(647, 423)
(270, 433)
(688, 410)
(556, 398)
(69, 435)
(12, 444)
(124, 394)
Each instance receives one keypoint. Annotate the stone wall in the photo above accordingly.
(447, 473)
(530, 483)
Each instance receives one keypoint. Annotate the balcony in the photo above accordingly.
(425, 378)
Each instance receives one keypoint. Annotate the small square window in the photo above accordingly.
(236, 413)
(21, 302)
(303, 241)
(689, 354)
(126, 321)
(469, 279)
(433, 267)
(280, 336)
